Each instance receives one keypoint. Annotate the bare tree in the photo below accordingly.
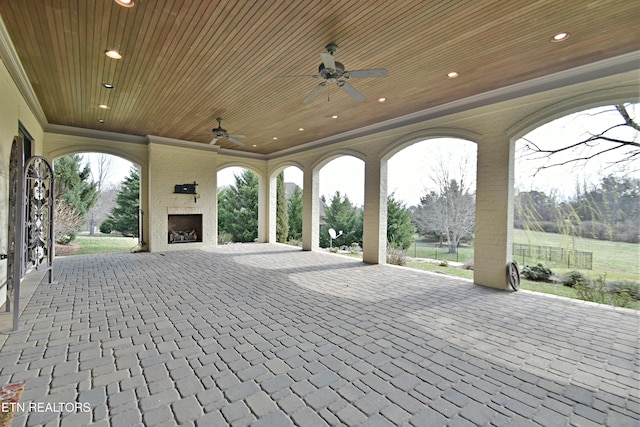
(100, 172)
(448, 211)
(621, 137)
(102, 168)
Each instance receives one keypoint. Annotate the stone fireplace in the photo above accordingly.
(186, 228)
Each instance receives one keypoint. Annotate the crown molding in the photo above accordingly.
(155, 139)
(95, 134)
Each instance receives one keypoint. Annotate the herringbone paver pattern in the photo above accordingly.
(268, 335)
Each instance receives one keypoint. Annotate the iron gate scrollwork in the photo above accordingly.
(38, 214)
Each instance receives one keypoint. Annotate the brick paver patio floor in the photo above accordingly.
(268, 335)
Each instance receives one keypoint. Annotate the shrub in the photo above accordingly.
(444, 263)
(537, 273)
(355, 248)
(632, 289)
(595, 230)
(574, 278)
(295, 242)
(595, 291)
(224, 238)
(396, 256)
(67, 222)
(106, 227)
(600, 292)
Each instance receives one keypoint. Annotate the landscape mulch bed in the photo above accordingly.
(66, 250)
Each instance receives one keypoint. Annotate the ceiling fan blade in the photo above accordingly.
(314, 92)
(375, 72)
(351, 91)
(235, 135)
(328, 61)
(214, 140)
(235, 141)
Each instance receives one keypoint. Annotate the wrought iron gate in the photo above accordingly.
(30, 244)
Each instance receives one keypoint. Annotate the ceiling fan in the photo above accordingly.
(333, 71)
(219, 132)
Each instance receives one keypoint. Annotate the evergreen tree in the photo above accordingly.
(400, 230)
(238, 208)
(282, 213)
(295, 214)
(341, 215)
(75, 195)
(73, 184)
(124, 217)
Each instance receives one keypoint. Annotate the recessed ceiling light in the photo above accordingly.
(560, 37)
(453, 74)
(254, 145)
(125, 3)
(382, 99)
(103, 106)
(275, 138)
(301, 129)
(100, 120)
(113, 54)
(334, 117)
(107, 85)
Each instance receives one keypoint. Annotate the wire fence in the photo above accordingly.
(554, 256)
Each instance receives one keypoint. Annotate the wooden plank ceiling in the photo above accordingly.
(185, 63)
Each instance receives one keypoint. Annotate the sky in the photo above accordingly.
(410, 172)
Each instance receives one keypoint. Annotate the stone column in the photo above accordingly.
(145, 205)
(264, 198)
(310, 210)
(494, 210)
(272, 209)
(214, 196)
(374, 245)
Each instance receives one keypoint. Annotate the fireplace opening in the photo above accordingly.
(185, 228)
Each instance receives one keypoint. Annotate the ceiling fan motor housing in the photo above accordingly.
(219, 131)
(328, 74)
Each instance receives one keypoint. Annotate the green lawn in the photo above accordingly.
(615, 260)
(449, 271)
(427, 249)
(103, 243)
